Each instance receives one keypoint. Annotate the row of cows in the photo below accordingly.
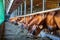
(35, 23)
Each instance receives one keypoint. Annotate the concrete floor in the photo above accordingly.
(13, 32)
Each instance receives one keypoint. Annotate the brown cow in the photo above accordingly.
(25, 21)
(13, 19)
(50, 20)
(34, 24)
(36, 20)
(57, 19)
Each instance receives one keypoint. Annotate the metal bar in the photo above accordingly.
(31, 6)
(18, 11)
(10, 4)
(58, 5)
(40, 12)
(44, 1)
(24, 10)
(21, 9)
(44, 34)
(53, 37)
(43, 5)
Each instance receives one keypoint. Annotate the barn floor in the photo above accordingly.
(13, 32)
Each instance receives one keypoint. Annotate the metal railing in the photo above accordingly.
(20, 11)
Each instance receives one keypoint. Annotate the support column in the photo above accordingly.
(18, 12)
(21, 9)
(43, 6)
(31, 6)
(24, 10)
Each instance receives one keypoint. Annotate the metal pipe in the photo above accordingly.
(18, 11)
(21, 9)
(44, 34)
(24, 10)
(9, 6)
(58, 4)
(31, 6)
(44, 1)
(43, 5)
